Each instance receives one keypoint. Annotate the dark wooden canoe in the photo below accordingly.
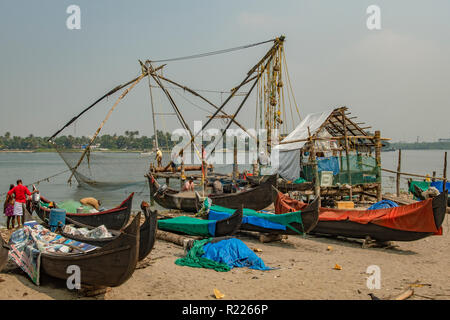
(256, 198)
(146, 239)
(114, 219)
(352, 229)
(109, 266)
(4, 249)
(281, 184)
(309, 215)
(171, 198)
(417, 192)
(225, 227)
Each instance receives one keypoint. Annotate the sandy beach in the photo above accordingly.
(305, 270)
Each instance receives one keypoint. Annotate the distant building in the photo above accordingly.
(444, 140)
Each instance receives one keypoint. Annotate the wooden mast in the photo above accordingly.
(147, 64)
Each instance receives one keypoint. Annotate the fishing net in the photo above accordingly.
(107, 170)
(362, 169)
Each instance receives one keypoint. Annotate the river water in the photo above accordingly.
(31, 167)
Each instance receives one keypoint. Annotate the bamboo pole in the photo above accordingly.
(349, 175)
(315, 168)
(399, 166)
(235, 166)
(378, 159)
(411, 174)
(445, 172)
(103, 123)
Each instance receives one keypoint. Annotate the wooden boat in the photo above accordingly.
(281, 184)
(256, 198)
(376, 231)
(147, 233)
(309, 216)
(108, 266)
(417, 192)
(224, 227)
(114, 219)
(4, 248)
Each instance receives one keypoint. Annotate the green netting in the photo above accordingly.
(423, 185)
(187, 225)
(284, 219)
(71, 206)
(194, 258)
(363, 169)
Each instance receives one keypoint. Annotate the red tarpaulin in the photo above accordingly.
(284, 204)
(416, 217)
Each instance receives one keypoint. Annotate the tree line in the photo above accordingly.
(130, 140)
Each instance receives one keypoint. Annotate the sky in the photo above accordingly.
(395, 79)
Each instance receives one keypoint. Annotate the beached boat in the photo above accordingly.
(200, 227)
(281, 184)
(147, 233)
(108, 266)
(297, 218)
(114, 219)
(256, 198)
(4, 248)
(404, 223)
(417, 192)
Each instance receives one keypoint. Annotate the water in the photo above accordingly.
(31, 167)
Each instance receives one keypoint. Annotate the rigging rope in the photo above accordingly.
(206, 54)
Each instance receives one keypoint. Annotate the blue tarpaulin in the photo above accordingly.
(328, 164)
(256, 221)
(383, 204)
(439, 185)
(234, 253)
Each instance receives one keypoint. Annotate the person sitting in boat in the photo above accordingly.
(159, 156)
(217, 187)
(189, 185)
(20, 193)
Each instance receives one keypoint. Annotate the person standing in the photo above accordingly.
(8, 209)
(20, 192)
(159, 156)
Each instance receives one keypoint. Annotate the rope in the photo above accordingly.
(41, 180)
(206, 54)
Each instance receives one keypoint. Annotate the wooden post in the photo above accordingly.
(235, 166)
(315, 167)
(434, 176)
(445, 172)
(349, 175)
(182, 173)
(378, 159)
(399, 166)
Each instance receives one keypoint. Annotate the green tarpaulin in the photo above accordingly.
(284, 219)
(187, 225)
(423, 185)
(194, 258)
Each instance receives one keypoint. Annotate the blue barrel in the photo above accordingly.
(57, 217)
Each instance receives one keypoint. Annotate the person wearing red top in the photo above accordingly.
(20, 193)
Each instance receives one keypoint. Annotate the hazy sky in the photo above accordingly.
(396, 79)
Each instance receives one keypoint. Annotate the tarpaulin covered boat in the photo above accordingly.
(114, 219)
(200, 227)
(404, 223)
(291, 216)
(36, 249)
(147, 233)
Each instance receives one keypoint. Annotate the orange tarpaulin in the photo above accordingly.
(284, 204)
(416, 217)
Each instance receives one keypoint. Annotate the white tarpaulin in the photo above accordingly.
(287, 156)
